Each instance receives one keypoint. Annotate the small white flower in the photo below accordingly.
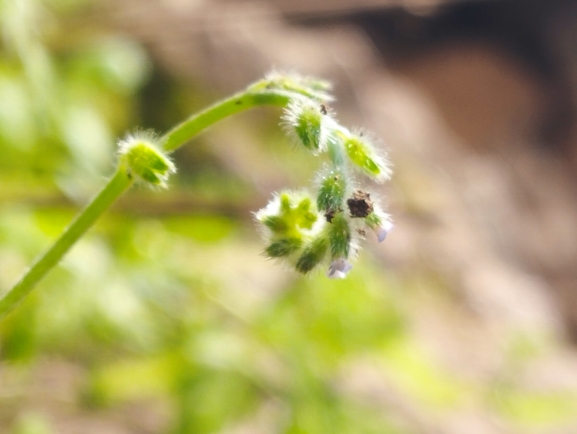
(339, 268)
(383, 230)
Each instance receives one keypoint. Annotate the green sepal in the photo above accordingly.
(283, 247)
(298, 216)
(275, 223)
(313, 254)
(373, 220)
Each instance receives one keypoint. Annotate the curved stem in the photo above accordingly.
(120, 182)
(112, 191)
(227, 107)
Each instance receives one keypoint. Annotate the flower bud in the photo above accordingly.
(306, 123)
(331, 192)
(142, 159)
(362, 153)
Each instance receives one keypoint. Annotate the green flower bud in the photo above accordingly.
(144, 160)
(332, 191)
(362, 153)
(306, 123)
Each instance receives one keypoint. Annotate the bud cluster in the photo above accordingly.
(303, 229)
(308, 232)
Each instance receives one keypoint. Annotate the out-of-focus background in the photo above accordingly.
(165, 318)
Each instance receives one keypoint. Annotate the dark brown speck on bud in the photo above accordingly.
(360, 204)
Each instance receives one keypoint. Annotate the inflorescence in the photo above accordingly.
(307, 230)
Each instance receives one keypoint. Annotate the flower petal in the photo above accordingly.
(383, 230)
(339, 268)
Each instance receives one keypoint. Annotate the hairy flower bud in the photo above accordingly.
(142, 159)
(307, 124)
(362, 154)
(331, 194)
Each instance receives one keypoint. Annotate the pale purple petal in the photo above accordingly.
(339, 268)
(383, 230)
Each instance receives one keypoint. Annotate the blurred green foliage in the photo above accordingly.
(177, 310)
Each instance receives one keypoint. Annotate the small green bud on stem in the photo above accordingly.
(363, 155)
(141, 157)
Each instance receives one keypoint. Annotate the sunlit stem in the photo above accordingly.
(197, 123)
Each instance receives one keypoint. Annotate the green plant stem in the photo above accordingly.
(120, 182)
(112, 191)
(225, 108)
